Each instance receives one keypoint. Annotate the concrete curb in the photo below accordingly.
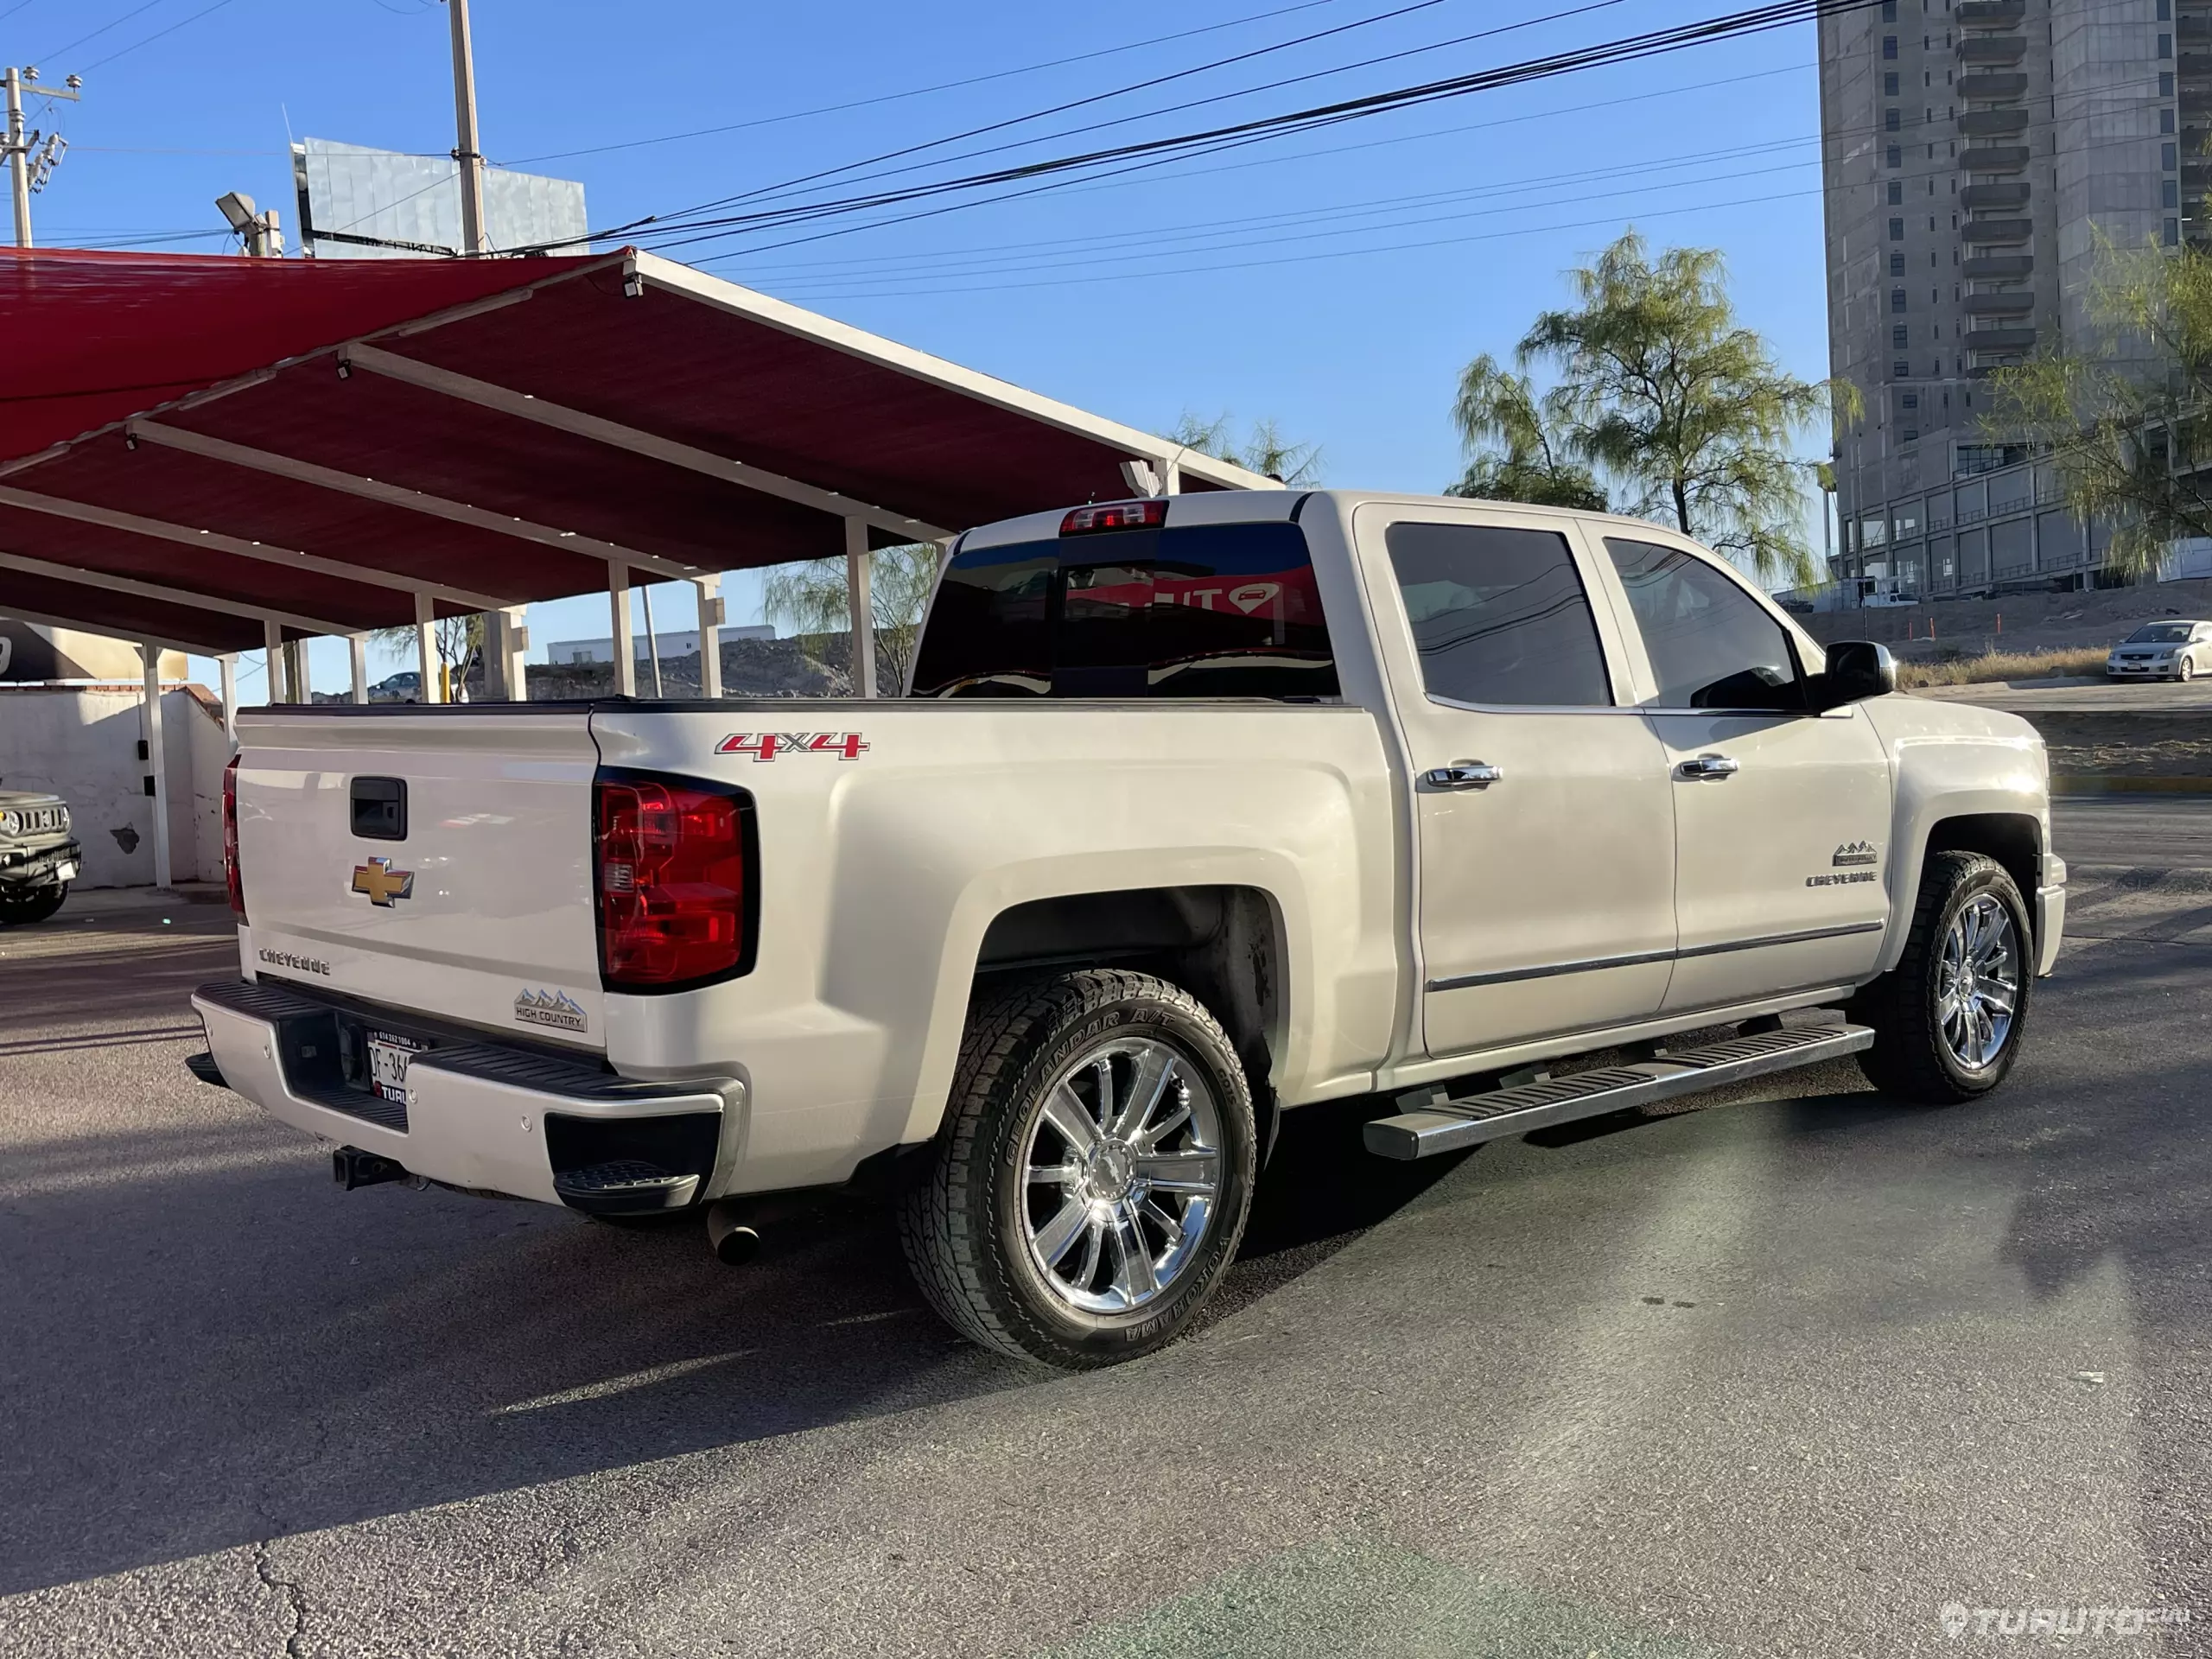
(2097, 783)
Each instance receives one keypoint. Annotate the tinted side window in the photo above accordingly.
(1711, 645)
(1191, 610)
(1498, 615)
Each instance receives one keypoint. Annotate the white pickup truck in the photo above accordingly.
(1198, 810)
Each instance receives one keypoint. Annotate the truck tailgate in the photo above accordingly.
(478, 908)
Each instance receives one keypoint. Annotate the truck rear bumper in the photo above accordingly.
(485, 1115)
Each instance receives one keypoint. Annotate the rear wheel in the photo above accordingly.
(19, 908)
(1092, 1178)
(1948, 1019)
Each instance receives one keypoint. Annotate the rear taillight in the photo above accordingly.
(233, 883)
(1115, 515)
(671, 858)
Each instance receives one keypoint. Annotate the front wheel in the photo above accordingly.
(1949, 1018)
(1092, 1178)
(21, 908)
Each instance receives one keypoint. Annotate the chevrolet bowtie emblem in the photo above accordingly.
(384, 886)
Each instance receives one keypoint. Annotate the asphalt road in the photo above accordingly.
(2071, 697)
(1781, 1376)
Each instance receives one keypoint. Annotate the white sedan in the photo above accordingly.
(2162, 650)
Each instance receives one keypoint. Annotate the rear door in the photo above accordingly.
(1544, 829)
(1781, 817)
(438, 863)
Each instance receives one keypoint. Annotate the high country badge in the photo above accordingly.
(555, 1009)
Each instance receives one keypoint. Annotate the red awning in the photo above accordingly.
(193, 446)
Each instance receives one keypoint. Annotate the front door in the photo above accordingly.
(1541, 803)
(1781, 817)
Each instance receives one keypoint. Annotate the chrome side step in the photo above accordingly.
(1449, 1125)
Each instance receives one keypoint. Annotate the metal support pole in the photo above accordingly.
(19, 161)
(357, 651)
(297, 684)
(157, 763)
(860, 607)
(426, 649)
(625, 641)
(1170, 481)
(653, 640)
(709, 592)
(226, 666)
(465, 145)
(506, 675)
(273, 648)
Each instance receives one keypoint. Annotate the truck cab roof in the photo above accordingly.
(1275, 506)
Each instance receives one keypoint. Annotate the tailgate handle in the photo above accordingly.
(379, 808)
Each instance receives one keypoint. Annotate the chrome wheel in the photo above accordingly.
(1121, 1166)
(1978, 982)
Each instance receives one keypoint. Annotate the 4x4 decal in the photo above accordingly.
(766, 746)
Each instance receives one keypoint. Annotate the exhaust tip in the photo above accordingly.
(737, 1247)
(734, 1242)
(351, 1167)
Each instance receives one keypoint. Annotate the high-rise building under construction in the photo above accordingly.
(1973, 153)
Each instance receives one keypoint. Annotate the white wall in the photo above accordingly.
(82, 743)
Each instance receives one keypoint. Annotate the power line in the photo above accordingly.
(102, 29)
(1350, 253)
(667, 230)
(801, 292)
(157, 35)
(1283, 159)
(857, 284)
(820, 275)
(920, 91)
(1366, 207)
(789, 185)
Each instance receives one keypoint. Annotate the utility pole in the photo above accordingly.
(465, 150)
(23, 175)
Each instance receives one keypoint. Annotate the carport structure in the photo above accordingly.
(216, 455)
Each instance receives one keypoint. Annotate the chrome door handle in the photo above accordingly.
(1707, 765)
(1463, 774)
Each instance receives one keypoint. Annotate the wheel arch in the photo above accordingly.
(2013, 839)
(1225, 943)
(2012, 836)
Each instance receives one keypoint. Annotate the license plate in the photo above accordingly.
(389, 1055)
(65, 873)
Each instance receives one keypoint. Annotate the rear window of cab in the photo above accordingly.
(1194, 611)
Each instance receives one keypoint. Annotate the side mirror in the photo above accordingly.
(1858, 669)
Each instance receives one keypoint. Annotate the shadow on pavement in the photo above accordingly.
(208, 1344)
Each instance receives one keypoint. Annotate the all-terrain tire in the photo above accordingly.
(1910, 1058)
(20, 909)
(962, 1224)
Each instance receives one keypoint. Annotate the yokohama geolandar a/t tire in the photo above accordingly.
(1091, 1180)
(1949, 1018)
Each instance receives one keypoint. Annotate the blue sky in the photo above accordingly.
(1334, 281)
